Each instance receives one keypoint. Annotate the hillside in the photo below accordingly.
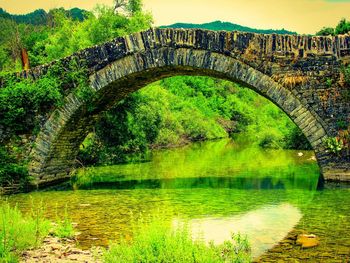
(40, 16)
(219, 25)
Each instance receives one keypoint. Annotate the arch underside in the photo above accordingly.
(57, 145)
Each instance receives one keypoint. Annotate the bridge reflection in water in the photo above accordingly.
(264, 227)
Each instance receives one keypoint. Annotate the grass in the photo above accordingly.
(153, 242)
(156, 242)
(19, 233)
(64, 227)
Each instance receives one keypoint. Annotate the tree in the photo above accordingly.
(119, 4)
(326, 31)
(343, 27)
(134, 6)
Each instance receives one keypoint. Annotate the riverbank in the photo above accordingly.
(61, 250)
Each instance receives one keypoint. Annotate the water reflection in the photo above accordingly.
(214, 164)
(264, 183)
(225, 185)
(264, 227)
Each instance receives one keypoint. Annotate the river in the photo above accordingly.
(218, 188)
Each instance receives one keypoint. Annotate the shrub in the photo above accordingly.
(343, 27)
(271, 140)
(64, 227)
(326, 31)
(157, 243)
(22, 102)
(19, 233)
(11, 172)
(334, 145)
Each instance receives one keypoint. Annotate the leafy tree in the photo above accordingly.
(3, 57)
(119, 4)
(326, 31)
(134, 6)
(10, 171)
(343, 27)
(40, 17)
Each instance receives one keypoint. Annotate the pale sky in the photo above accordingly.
(303, 16)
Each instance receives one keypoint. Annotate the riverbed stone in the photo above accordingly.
(307, 240)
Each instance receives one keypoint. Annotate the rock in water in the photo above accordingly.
(307, 241)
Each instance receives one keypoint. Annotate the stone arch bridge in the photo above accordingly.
(300, 74)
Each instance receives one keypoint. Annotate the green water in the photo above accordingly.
(217, 187)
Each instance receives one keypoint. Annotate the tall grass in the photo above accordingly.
(19, 233)
(64, 227)
(156, 242)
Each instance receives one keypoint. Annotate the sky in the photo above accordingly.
(302, 16)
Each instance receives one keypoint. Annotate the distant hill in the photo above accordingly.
(218, 25)
(40, 16)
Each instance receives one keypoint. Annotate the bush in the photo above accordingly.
(19, 233)
(21, 103)
(334, 145)
(10, 171)
(157, 243)
(270, 140)
(326, 31)
(343, 27)
(64, 227)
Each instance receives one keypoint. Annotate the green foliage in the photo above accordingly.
(342, 124)
(68, 35)
(19, 233)
(64, 227)
(65, 32)
(179, 110)
(156, 242)
(218, 25)
(333, 144)
(343, 27)
(12, 172)
(329, 82)
(40, 16)
(134, 6)
(326, 31)
(21, 103)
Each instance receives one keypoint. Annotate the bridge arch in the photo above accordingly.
(58, 142)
